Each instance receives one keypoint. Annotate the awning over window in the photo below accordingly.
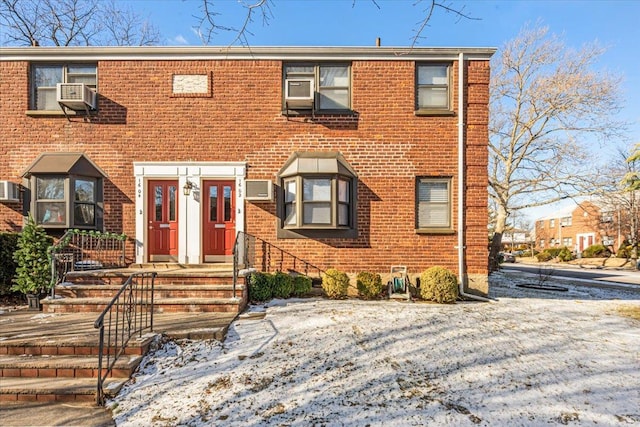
(64, 163)
(309, 162)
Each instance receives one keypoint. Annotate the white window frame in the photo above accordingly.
(314, 72)
(423, 225)
(67, 76)
(431, 86)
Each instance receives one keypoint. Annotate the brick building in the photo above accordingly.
(578, 227)
(353, 158)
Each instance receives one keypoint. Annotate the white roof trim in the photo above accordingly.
(243, 53)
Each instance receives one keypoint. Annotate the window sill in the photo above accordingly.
(309, 112)
(434, 112)
(48, 113)
(435, 231)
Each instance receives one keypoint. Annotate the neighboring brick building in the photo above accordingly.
(359, 145)
(578, 227)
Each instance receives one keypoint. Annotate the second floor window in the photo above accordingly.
(432, 83)
(45, 77)
(329, 84)
(566, 221)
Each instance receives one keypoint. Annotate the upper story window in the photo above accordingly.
(66, 191)
(432, 87)
(321, 87)
(433, 204)
(45, 77)
(552, 223)
(566, 221)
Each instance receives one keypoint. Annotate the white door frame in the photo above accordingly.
(189, 207)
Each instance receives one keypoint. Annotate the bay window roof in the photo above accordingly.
(64, 163)
(314, 162)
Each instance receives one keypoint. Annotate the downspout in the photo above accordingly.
(461, 248)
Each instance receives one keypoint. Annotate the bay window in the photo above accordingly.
(318, 193)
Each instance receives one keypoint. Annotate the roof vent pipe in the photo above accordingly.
(377, 41)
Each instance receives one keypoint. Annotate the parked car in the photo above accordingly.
(506, 257)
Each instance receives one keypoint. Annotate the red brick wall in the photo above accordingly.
(387, 145)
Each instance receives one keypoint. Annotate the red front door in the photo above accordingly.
(219, 218)
(163, 220)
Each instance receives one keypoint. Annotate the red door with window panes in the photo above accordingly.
(163, 220)
(219, 218)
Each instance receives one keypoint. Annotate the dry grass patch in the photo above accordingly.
(630, 311)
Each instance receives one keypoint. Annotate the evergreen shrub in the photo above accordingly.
(301, 285)
(282, 285)
(369, 285)
(335, 283)
(439, 284)
(260, 286)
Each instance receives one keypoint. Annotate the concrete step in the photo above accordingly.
(56, 389)
(63, 366)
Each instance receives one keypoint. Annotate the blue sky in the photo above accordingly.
(613, 23)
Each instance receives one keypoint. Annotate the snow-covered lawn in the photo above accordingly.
(530, 358)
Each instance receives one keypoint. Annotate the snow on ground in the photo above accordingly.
(531, 357)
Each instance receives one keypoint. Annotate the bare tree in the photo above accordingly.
(210, 21)
(73, 23)
(546, 99)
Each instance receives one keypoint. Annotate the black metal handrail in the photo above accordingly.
(129, 313)
(272, 258)
(86, 250)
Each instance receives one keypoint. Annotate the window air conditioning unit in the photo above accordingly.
(299, 92)
(259, 190)
(76, 96)
(9, 191)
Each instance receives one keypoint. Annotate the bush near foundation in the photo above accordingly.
(301, 285)
(8, 246)
(260, 286)
(596, 251)
(439, 284)
(335, 283)
(369, 285)
(282, 285)
(565, 255)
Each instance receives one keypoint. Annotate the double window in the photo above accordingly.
(45, 77)
(317, 201)
(433, 204)
(322, 87)
(433, 83)
(66, 201)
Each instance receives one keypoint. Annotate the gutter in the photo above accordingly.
(461, 177)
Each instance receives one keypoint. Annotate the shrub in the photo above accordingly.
(596, 251)
(8, 246)
(33, 271)
(544, 256)
(260, 286)
(282, 285)
(301, 285)
(438, 284)
(335, 283)
(625, 250)
(369, 285)
(565, 255)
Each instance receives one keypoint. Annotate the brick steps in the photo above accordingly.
(161, 305)
(28, 366)
(160, 291)
(55, 389)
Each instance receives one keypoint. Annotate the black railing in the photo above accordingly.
(252, 252)
(128, 314)
(86, 250)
